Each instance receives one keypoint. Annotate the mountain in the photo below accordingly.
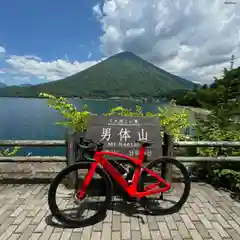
(121, 75)
(2, 85)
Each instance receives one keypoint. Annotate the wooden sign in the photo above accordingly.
(119, 134)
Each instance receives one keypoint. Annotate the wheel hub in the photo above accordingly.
(77, 200)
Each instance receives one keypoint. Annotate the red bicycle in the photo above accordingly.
(132, 179)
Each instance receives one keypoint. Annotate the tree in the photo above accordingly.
(222, 125)
(223, 100)
(224, 90)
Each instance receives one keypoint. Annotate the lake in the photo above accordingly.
(32, 119)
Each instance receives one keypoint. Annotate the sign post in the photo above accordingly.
(119, 134)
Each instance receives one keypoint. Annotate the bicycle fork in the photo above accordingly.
(81, 194)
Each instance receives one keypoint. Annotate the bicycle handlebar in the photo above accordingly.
(89, 144)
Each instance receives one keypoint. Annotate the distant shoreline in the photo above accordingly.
(143, 100)
(193, 109)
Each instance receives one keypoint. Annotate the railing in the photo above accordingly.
(33, 143)
(207, 144)
(62, 143)
(69, 144)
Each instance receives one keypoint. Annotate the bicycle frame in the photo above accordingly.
(131, 189)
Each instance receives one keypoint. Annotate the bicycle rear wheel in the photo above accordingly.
(161, 203)
(86, 212)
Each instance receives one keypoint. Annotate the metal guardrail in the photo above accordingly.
(63, 143)
(41, 159)
(204, 144)
(33, 143)
(226, 144)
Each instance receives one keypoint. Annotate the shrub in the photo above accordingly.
(171, 121)
(75, 120)
(225, 174)
(8, 152)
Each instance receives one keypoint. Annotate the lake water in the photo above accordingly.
(32, 119)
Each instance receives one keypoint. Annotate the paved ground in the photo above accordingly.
(208, 214)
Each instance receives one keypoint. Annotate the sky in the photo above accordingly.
(42, 41)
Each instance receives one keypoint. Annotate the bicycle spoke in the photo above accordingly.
(74, 211)
(175, 196)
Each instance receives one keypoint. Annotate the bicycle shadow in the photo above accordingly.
(128, 208)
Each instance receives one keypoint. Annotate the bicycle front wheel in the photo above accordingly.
(172, 200)
(64, 205)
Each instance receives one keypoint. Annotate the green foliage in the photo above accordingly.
(122, 75)
(120, 111)
(8, 152)
(229, 177)
(74, 119)
(171, 121)
(225, 89)
(226, 174)
(221, 125)
(211, 131)
(174, 122)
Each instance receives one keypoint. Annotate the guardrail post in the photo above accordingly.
(71, 159)
(167, 152)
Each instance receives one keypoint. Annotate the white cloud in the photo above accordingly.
(191, 38)
(2, 50)
(54, 70)
(33, 57)
(97, 11)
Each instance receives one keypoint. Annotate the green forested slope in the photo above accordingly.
(123, 75)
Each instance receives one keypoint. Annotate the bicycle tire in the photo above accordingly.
(79, 222)
(187, 188)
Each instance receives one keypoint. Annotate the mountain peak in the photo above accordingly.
(126, 55)
(122, 75)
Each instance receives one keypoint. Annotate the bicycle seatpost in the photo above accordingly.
(141, 152)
